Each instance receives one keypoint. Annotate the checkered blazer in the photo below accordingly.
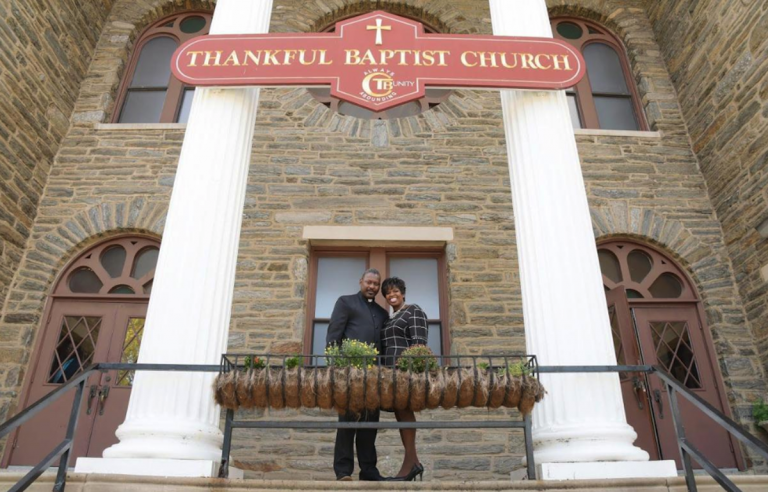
(405, 328)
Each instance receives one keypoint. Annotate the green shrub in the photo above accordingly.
(294, 362)
(421, 359)
(253, 362)
(516, 370)
(760, 411)
(351, 353)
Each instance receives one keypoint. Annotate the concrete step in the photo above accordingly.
(118, 483)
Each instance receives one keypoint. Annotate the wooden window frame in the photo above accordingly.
(175, 88)
(583, 90)
(378, 258)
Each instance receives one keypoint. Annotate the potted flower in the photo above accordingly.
(760, 413)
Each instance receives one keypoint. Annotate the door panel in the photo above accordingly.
(115, 386)
(671, 337)
(77, 334)
(633, 386)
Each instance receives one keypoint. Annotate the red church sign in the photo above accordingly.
(378, 61)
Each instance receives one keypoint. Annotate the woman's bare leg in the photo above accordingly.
(408, 436)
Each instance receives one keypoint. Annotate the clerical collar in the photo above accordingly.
(369, 300)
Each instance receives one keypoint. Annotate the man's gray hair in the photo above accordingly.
(372, 271)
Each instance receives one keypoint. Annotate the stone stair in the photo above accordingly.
(118, 483)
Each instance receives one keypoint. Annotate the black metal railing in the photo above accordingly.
(516, 364)
(687, 450)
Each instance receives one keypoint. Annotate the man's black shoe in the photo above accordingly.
(372, 478)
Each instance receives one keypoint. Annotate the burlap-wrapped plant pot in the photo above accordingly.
(481, 388)
(372, 395)
(497, 388)
(513, 392)
(387, 388)
(308, 391)
(324, 388)
(466, 388)
(357, 390)
(224, 387)
(276, 383)
(436, 386)
(341, 388)
(259, 385)
(532, 392)
(451, 388)
(418, 400)
(293, 387)
(402, 389)
(244, 389)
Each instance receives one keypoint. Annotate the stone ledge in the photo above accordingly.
(111, 483)
(377, 235)
(615, 133)
(139, 126)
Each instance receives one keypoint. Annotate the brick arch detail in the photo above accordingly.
(53, 249)
(649, 225)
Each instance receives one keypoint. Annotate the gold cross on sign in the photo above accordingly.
(378, 28)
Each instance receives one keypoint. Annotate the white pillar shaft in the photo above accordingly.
(566, 322)
(173, 415)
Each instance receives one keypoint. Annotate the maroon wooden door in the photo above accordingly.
(671, 337)
(80, 333)
(77, 334)
(633, 386)
(115, 386)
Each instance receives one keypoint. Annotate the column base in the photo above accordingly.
(151, 467)
(607, 470)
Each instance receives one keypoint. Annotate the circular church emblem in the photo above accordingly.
(378, 84)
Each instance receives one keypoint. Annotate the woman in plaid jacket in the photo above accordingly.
(407, 326)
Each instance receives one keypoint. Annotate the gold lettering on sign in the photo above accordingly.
(193, 58)
(564, 59)
(254, 57)
(505, 63)
(466, 62)
(537, 59)
(216, 60)
(403, 58)
(232, 59)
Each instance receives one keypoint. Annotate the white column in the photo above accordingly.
(173, 415)
(566, 322)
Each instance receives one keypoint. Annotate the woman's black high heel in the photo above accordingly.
(417, 470)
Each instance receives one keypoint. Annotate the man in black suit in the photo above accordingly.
(358, 317)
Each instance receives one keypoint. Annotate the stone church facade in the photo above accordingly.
(691, 185)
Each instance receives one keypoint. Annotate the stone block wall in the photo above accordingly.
(717, 55)
(45, 51)
(447, 167)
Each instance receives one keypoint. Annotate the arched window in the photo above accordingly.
(643, 272)
(606, 97)
(148, 93)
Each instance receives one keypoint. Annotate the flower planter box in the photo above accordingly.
(353, 390)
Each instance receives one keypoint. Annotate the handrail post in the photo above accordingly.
(690, 480)
(529, 448)
(226, 445)
(61, 476)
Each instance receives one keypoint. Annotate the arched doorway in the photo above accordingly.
(95, 314)
(657, 319)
